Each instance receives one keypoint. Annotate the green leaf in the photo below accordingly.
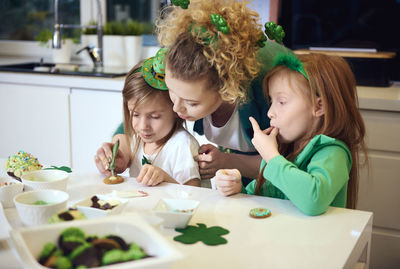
(210, 236)
(63, 168)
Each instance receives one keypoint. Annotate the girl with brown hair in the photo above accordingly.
(311, 151)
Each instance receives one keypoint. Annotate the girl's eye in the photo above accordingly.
(156, 117)
(192, 104)
(135, 115)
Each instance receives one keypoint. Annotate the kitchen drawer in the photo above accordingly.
(383, 130)
(379, 191)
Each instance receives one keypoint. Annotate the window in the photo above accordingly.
(25, 20)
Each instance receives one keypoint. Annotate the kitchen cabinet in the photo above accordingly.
(95, 115)
(380, 184)
(35, 119)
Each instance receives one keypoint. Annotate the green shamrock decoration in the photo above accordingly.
(145, 161)
(220, 23)
(210, 236)
(274, 31)
(181, 3)
(261, 42)
(62, 168)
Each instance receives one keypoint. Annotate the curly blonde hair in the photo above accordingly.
(228, 61)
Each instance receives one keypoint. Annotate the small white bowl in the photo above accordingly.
(45, 179)
(175, 212)
(91, 212)
(7, 192)
(34, 214)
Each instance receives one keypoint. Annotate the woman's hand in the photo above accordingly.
(228, 181)
(103, 158)
(151, 175)
(265, 140)
(210, 159)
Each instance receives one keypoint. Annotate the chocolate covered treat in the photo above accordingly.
(67, 215)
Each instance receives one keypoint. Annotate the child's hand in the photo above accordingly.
(103, 158)
(228, 181)
(265, 141)
(151, 175)
(210, 160)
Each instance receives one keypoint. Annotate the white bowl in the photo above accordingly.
(90, 212)
(28, 242)
(7, 192)
(45, 179)
(175, 212)
(33, 214)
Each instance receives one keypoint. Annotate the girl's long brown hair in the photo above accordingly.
(331, 79)
(136, 87)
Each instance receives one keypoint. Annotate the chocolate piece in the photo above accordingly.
(119, 240)
(11, 174)
(65, 216)
(86, 255)
(106, 244)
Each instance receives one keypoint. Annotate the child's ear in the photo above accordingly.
(319, 108)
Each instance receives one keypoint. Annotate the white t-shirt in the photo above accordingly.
(230, 135)
(176, 157)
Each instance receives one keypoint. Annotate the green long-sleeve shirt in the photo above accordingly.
(315, 180)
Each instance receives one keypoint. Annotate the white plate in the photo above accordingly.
(28, 242)
(90, 212)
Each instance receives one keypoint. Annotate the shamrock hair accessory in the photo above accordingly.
(220, 23)
(274, 31)
(291, 61)
(261, 42)
(181, 3)
(203, 33)
(153, 70)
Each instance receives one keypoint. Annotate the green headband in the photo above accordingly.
(153, 70)
(291, 61)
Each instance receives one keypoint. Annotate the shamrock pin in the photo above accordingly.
(220, 23)
(210, 236)
(145, 161)
(63, 168)
(274, 31)
(181, 3)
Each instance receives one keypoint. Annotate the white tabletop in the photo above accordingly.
(287, 239)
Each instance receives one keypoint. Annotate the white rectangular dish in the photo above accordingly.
(90, 212)
(28, 242)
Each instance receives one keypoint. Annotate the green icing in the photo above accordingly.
(40, 202)
(62, 263)
(77, 251)
(73, 232)
(112, 256)
(47, 250)
(62, 168)
(209, 236)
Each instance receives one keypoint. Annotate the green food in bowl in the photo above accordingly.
(40, 202)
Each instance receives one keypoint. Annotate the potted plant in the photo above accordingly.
(133, 38)
(113, 44)
(62, 55)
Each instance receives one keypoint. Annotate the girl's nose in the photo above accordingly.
(270, 113)
(143, 123)
(177, 105)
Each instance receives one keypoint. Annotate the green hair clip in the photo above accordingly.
(203, 33)
(291, 61)
(220, 23)
(274, 31)
(181, 3)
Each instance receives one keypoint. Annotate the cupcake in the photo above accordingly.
(21, 163)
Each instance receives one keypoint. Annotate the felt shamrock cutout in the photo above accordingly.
(210, 236)
(63, 168)
(274, 31)
(220, 23)
(145, 161)
(181, 3)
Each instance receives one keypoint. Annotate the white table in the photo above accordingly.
(288, 239)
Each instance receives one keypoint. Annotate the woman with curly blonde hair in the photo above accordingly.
(215, 64)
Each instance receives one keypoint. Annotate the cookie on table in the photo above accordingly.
(20, 163)
(260, 213)
(113, 180)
